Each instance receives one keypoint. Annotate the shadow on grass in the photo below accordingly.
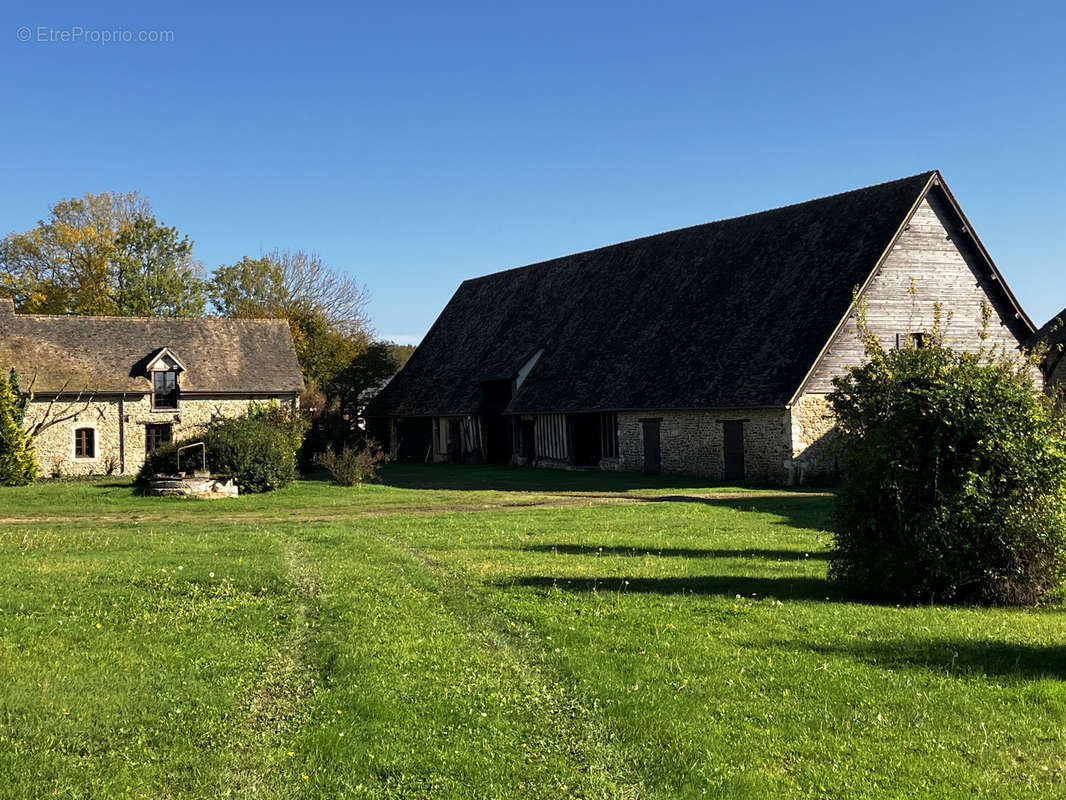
(470, 477)
(813, 512)
(798, 588)
(993, 659)
(676, 552)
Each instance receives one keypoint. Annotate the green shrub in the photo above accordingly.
(258, 450)
(18, 464)
(954, 480)
(352, 466)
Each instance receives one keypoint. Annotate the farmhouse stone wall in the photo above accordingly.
(691, 442)
(114, 419)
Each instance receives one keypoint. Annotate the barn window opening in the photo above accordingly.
(165, 389)
(916, 340)
(85, 443)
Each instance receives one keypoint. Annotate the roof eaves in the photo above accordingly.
(996, 274)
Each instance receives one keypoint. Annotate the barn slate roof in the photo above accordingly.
(110, 354)
(729, 314)
(1053, 332)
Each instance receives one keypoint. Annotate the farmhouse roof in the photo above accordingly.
(729, 314)
(111, 354)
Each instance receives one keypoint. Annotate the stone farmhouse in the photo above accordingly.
(117, 387)
(707, 350)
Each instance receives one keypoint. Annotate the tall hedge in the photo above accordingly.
(954, 480)
(18, 464)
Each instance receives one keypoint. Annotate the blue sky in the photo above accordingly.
(415, 145)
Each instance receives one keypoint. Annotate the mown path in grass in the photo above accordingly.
(428, 638)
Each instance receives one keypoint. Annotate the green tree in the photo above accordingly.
(954, 482)
(18, 465)
(401, 353)
(21, 399)
(155, 274)
(363, 377)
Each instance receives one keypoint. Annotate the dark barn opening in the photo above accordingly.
(455, 441)
(527, 440)
(495, 395)
(653, 460)
(414, 439)
(585, 434)
(733, 449)
(380, 431)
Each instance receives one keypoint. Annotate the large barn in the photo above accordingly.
(707, 350)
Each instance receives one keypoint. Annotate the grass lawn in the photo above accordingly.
(479, 632)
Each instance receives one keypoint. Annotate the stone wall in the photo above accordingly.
(112, 418)
(691, 442)
(812, 432)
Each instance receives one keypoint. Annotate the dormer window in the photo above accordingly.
(163, 369)
(165, 389)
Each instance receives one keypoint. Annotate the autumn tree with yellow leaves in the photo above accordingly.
(102, 254)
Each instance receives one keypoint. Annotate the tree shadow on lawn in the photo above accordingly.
(994, 659)
(482, 477)
(676, 552)
(787, 588)
(812, 512)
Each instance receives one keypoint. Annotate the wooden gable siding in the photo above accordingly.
(934, 251)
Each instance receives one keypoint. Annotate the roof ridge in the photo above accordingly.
(134, 318)
(926, 174)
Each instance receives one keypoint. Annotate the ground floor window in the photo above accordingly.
(156, 436)
(85, 443)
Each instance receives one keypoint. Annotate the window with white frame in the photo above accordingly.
(85, 443)
(165, 389)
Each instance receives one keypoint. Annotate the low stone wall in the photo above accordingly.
(691, 442)
(198, 486)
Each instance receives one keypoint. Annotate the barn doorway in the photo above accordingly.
(527, 440)
(733, 449)
(585, 434)
(414, 440)
(455, 441)
(653, 458)
(495, 395)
